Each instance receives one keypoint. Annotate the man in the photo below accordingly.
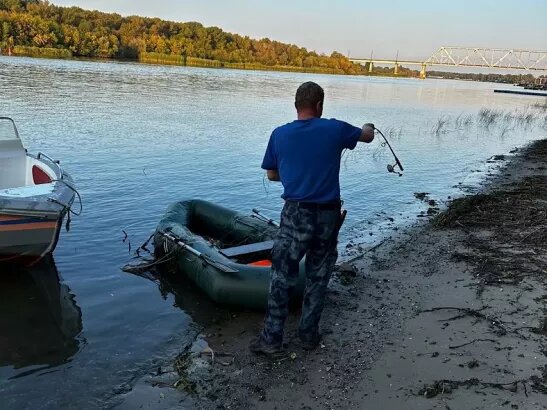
(305, 156)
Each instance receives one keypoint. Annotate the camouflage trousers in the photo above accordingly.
(305, 231)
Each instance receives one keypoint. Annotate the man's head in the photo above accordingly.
(309, 100)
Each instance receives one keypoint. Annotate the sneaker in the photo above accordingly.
(309, 344)
(259, 346)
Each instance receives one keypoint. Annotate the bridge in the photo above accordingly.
(497, 58)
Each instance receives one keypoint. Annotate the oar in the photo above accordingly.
(176, 240)
(260, 215)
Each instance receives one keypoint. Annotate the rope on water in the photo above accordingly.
(147, 264)
(144, 246)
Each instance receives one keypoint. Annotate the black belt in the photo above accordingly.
(317, 206)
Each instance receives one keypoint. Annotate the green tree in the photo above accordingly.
(11, 5)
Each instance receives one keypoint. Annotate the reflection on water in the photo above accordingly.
(40, 322)
(187, 295)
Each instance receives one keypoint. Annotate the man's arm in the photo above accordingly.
(367, 133)
(273, 175)
(351, 135)
(270, 161)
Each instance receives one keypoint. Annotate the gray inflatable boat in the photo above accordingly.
(225, 253)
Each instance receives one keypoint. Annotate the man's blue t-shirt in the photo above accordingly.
(307, 155)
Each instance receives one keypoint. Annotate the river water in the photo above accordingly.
(137, 137)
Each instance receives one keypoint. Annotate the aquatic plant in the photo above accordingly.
(467, 121)
(505, 120)
(393, 132)
(508, 117)
(505, 130)
(440, 127)
(458, 122)
(488, 117)
(541, 106)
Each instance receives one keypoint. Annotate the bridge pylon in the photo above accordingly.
(422, 72)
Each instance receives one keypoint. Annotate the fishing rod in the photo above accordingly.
(259, 215)
(391, 168)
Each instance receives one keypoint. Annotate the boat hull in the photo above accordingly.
(35, 195)
(25, 240)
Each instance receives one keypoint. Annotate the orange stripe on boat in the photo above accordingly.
(10, 217)
(28, 227)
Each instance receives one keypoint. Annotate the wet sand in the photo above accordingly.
(451, 314)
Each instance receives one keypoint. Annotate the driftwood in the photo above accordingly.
(471, 342)
(496, 323)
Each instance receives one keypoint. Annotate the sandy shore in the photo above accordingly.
(450, 315)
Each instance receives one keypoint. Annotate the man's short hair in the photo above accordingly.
(308, 95)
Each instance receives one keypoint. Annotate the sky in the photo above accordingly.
(413, 28)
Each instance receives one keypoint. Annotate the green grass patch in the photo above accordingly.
(44, 52)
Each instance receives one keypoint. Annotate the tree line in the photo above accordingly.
(489, 77)
(86, 33)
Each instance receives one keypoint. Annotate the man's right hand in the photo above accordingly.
(273, 175)
(367, 133)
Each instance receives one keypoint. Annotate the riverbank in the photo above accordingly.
(178, 60)
(170, 59)
(452, 314)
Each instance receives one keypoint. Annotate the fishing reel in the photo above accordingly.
(391, 169)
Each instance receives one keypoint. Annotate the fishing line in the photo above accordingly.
(391, 168)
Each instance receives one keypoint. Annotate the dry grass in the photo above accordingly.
(507, 228)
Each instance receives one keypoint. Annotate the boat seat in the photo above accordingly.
(13, 164)
(247, 249)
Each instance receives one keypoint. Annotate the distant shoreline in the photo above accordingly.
(173, 60)
(193, 62)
